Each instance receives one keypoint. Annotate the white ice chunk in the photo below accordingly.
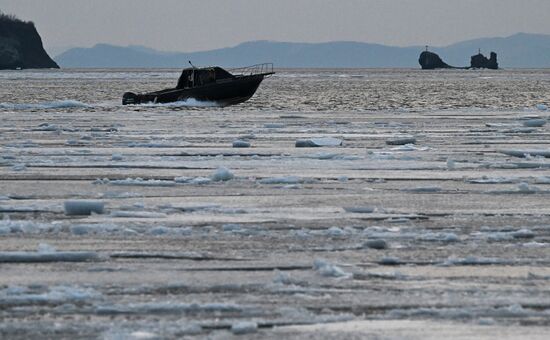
(274, 125)
(324, 268)
(327, 141)
(542, 107)
(222, 174)
(244, 327)
(409, 147)
(542, 180)
(335, 232)
(360, 210)
(116, 157)
(183, 179)
(524, 187)
(200, 181)
(241, 144)
(143, 335)
(523, 233)
(318, 142)
(47, 127)
(46, 248)
(439, 237)
(534, 122)
(19, 167)
(451, 164)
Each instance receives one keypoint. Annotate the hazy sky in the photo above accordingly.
(191, 25)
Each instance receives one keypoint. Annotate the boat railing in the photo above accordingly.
(265, 68)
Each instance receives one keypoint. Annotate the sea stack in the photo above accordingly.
(431, 61)
(480, 61)
(21, 46)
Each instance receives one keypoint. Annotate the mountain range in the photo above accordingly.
(522, 50)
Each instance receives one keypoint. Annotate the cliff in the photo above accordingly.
(431, 61)
(21, 45)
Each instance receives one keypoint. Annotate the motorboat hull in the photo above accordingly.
(223, 92)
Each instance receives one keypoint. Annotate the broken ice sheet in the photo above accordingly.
(285, 180)
(36, 295)
(47, 254)
(318, 142)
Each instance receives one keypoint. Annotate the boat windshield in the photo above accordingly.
(191, 77)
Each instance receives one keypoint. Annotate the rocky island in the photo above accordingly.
(21, 46)
(431, 61)
(481, 61)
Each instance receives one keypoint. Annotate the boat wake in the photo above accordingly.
(62, 104)
(191, 102)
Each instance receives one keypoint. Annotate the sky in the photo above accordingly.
(195, 25)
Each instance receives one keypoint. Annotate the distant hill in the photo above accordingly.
(21, 45)
(520, 50)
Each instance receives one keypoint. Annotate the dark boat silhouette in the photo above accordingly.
(211, 84)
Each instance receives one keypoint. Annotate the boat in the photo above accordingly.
(208, 84)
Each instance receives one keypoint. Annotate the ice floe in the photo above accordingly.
(8, 226)
(426, 189)
(193, 180)
(12, 296)
(137, 182)
(137, 214)
(376, 244)
(409, 147)
(360, 210)
(169, 307)
(401, 141)
(116, 157)
(47, 254)
(542, 107)
(83, 207)
(318, 142)
(325, 268)
(510, 311)
(244, 327)
(439, 237)
(47, 127)
(524, 153)
(508, 235)
(493, 180)
(222, 174)
(239, 143)
(474, 261)
(274, 125)
(285, 180)
(534, 122)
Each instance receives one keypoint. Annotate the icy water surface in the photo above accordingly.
(430, 219)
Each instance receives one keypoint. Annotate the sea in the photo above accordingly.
(418, 207)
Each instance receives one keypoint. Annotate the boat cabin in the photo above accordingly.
(193, 77)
